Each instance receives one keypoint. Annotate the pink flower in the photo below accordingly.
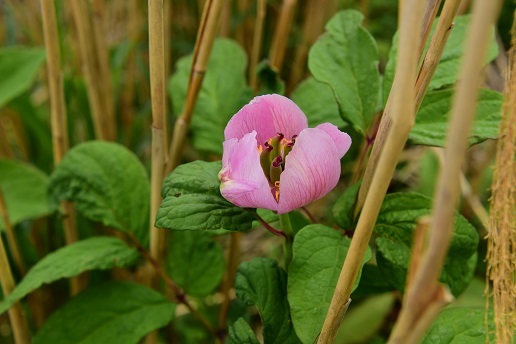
(272, 159)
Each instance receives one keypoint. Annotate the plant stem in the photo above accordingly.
(421, 295)
(203, 45)
(286, 226)
(233, 259)
(400, 125)
(279, 41)
(257, 43)
(11, 236)
(159, 134)
(58, 119)
(426, 72)
(18, 321)
(88, 59)
(178, 294)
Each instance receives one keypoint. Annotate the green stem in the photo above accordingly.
(286, 226)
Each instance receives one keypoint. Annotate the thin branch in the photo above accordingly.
(267, 226)
(11, 237)
(257, 43)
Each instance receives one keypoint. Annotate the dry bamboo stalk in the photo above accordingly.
(159, 134)
(279, 41)
(87, 53)
(426, 72)
(58, 117)
(315, 16)
(18, 320)
(102, 62)
(400, 124)
(423, 295)
(11, 237)
(225, 21)
(257, 43)
(5, 148)
(203, 45)
(501, 252)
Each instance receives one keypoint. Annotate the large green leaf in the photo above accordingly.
(25, 191)
(319, 254)
(460, 326)
(317, 101)
(448, 70)
(431, 124)
(116, 312)
(95, 253)
(192, 201)
(346, 58)
(263, 283)
(195, 262)
(19, 66)
(223, 93)
(107, 183)
(394, 228)
(241, 333)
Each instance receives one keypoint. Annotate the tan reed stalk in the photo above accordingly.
(424, 297)
(127, 97)
(261, 6)
(233, 260)
(80, 12)
(280, 38)
(501, 240)
(225, 20)
(58, 117)
(159, 133)
(18, 320)
(11, 237)
(203, 45)
(400, 124)
(316, 14)
(102, 63)
(243, 30)
(5, 148)
(427, 70)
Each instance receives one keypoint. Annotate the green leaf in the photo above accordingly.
(192, 201)
(394, 228)
(263, 283)
(205, 258)
(319, 254)
(460, 326)
(115, 312)
(346, 58)
(25, 191)
(317, 101)
(432, 119)
(19, 66)
(448, 69)
(107, 183)
(241, 333)
(95, 253)
(269, 79)
(345, 206)
(223, 93)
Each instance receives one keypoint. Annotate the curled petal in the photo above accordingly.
(342, 140)
(267, 115)
(243, 181)
(312, 170)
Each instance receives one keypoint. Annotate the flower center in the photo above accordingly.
(273, 156)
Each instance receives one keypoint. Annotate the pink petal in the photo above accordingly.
(312, 170)
(268, 115)
(342, 140)
(243, 182)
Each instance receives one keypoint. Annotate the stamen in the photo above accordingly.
(277, 191)
(276, 169)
